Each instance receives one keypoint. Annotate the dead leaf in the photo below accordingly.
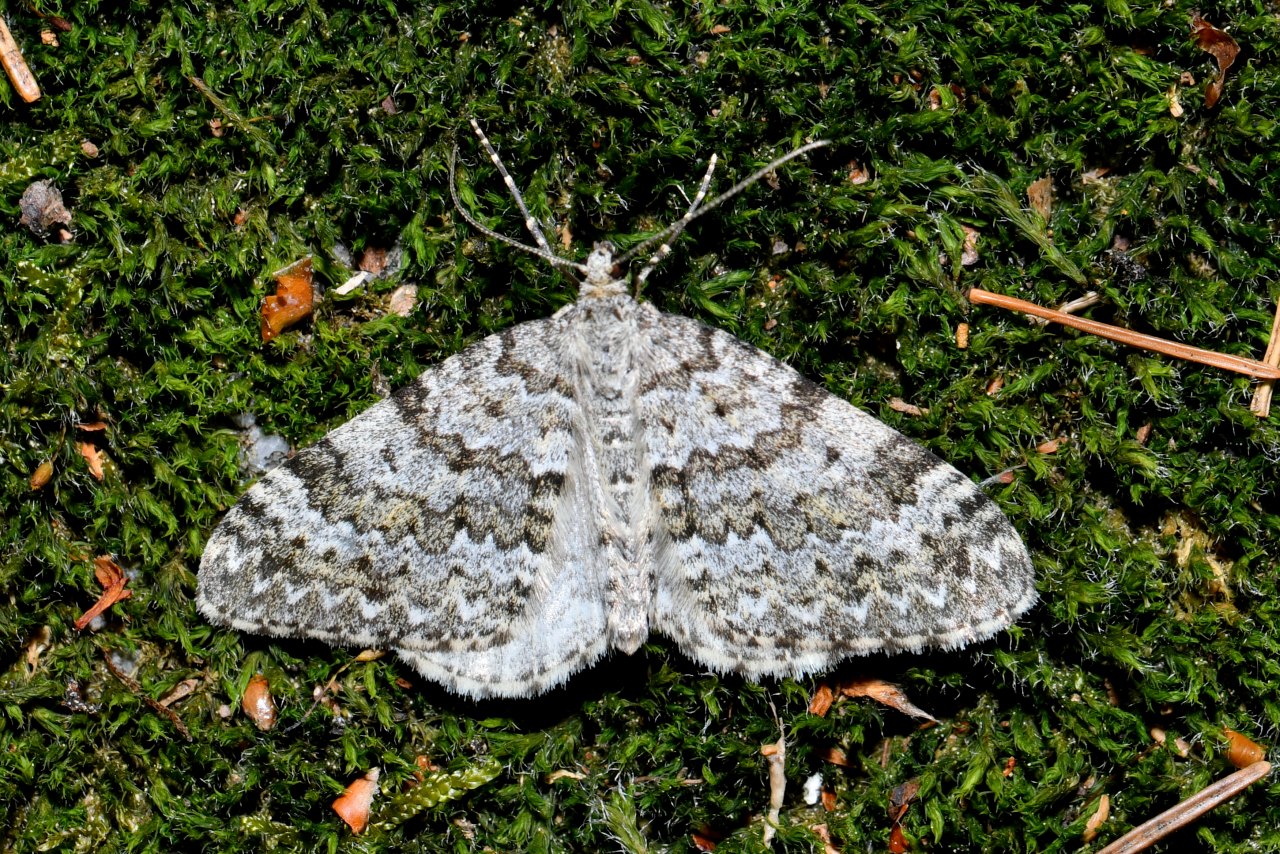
(822, 700)
(858, 175)
(885, 693)
(993, 387)
(49, 37)
(1040, 195)
(897, 404)
(1241, 750)
(180, 692)
(292, 301)
(1009, 765)
(352, 806)
(389, 106)
(42, 209)
(720, 29)
(962, 336)
(92, 426)
(41, 475)
(969, 256)
(373, 260)
(1050, 447)
(1222, 47)
(1175, 105)
(92, 456)
(258, 703)
(403, 299)
(828, 800)
(40, 641)
(902, 797)
(113, 581)
(836, 756)
(703, 840)
(1101, 814)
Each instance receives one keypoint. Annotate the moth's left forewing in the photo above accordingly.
(793, 529)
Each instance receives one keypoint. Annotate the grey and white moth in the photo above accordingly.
(565, 487)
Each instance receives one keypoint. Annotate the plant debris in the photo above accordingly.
(113, 581)
(1222, 47)
(292, 301)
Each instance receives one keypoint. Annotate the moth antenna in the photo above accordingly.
(544, 253)
(529, 222)
(668, 234)
(664, 248)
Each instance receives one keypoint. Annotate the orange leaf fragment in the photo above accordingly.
(702, 842)
(1100, 815)
(113, 581)
(1222, 47)
(885, 693)
(1241, 750)
(92, 456)
(898, 843)
(822, 700)
(92, 426)
(836, 756)
(258, 703)
(352, 806)
(292, 301)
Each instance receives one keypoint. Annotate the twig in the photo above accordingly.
(24, 82)
(1150, 832)
(1261, 403)
(156, 705)
(1239, 364)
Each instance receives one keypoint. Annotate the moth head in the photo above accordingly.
(599, 276)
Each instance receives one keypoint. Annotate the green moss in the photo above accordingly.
(1156, 555)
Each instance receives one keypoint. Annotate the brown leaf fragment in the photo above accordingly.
(886, 694)
(828, 800)
(897, 404)
(352, 806)
(40, 641)
(92, 426)
(49, 37)
(857, 174)
(389, 106)
(113, 581)
(969, 255)
(373, 260)
(822, 700)
(1009, 765)
(258, 703)
(42, 209)
(836, 756)
(92, 456)
(180, 691)
(1040, 195)
(1221, 47)
(41, 475)
(962, 336)
(720, 29)
(1242, 751)
(292, 301)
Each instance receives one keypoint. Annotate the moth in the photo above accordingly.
(573, 484)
